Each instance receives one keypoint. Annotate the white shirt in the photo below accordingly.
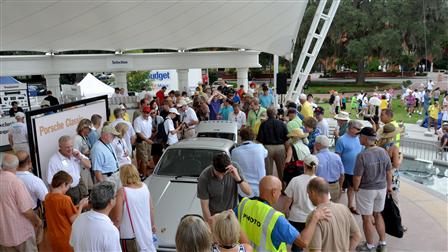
(301, 204)
(337, 101)
(139, 209)
(169, 126)
(143, 126)
(240, 118)
(120, 149)
(71, 165)
(93, 231)
(35, 186)
(188, 116)
(129, 134)
(430, 85)
(323, 128)
(19, 133)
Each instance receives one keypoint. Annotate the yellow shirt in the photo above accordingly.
(434, 112)
(307, 110)
(383, 104)
(125, 117)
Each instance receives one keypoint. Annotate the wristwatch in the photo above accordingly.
(241, 181)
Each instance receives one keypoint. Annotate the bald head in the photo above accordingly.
(24, 159)
(10, 162)
(270, 189)
(319, 186)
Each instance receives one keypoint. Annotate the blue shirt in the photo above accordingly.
(214, 108)
(103, 158)
(266, 100)
(283, 231)
(93, 137)
(330, 165)
(348, 147)
(250, 156)
(225, 111)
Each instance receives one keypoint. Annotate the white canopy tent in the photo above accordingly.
(91, 87)
(55, 26)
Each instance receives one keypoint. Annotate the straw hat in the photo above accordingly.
(182, 103)
(298, 133)
(344, 116)
(388, 131)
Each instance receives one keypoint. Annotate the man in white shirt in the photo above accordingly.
(130, 135)
(143, 129)
(322, 124)
(168, 125)
(188, 118)
(94, 230)
(69, 160)
(18, 134)
(430, 85)
(237, 116)
(36, 187)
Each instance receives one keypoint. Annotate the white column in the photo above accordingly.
(121, 81)
(182, 79)
(275, 70)
(241, 75)
(54, 85)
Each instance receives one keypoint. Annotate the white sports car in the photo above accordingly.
(173, 185)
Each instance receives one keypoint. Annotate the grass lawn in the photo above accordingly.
(398, 108)
(317, 87)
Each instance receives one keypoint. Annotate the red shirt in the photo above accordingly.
(160, 96)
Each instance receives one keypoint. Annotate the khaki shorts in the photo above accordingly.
(26, 246)
(370, 201)
(335, 191)
(143, 152)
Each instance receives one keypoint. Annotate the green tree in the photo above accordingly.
(137, 80)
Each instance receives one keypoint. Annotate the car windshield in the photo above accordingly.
(229, 136)
(185, 162)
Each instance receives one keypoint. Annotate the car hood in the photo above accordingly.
(172, 198)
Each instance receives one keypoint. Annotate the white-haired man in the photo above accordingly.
(307, 109)
(18, 134)
(330, 167)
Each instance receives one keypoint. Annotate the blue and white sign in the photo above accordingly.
(169, 79)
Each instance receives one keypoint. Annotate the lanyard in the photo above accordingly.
(111, 151)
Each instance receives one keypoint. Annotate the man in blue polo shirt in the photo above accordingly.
(104, 158)
(330, 167)
(348, 147)
(251, 213)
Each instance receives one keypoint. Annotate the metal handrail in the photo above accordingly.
(429, 151)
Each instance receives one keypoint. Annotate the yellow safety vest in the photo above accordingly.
(258, 219)
(398, 135)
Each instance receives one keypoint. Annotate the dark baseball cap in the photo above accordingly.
(367, 131)
(319, 111)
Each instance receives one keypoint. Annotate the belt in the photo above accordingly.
(333, 182)
(108, 174)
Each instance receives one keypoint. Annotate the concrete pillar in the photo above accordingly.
(182, 79)
(53, 84)
(241, 75)
(121, 81)
(275, 70)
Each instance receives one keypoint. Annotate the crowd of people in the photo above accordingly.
(97, 202)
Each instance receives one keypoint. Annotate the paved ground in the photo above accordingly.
(423, 213)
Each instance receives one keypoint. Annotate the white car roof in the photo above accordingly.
(204, 143)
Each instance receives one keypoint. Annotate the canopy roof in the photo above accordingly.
(55, 26)
(8, 80)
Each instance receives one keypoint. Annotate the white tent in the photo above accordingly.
(90, 87)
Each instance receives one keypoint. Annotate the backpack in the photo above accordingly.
(161, 135)
(331, 101)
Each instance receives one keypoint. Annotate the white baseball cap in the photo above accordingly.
(173, 110)
(20, 115)
(302, 97)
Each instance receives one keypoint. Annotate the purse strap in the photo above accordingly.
(127, 207)
(294, 153)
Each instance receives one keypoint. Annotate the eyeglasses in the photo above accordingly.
(358, 129)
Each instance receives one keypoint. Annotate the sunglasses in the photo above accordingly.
(192, 215)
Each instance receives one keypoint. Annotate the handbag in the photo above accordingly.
(293, 168)
(392, 218)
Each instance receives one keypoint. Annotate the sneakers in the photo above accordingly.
(381, 248)
(363, 247)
